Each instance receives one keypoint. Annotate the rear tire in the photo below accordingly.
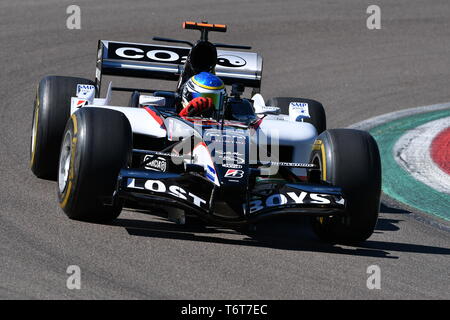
(51, 111)
(349, 159)
(96, 145)
(316, 110)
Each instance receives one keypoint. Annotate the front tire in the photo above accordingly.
(51, 111)
(348, 159)
(96, 145)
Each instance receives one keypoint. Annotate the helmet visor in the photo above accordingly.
(217, 98)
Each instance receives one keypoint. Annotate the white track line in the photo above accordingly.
(412, 153)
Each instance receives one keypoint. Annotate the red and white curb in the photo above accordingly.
(435, 145)
(413, 152)
(440, 150)
(423, 152)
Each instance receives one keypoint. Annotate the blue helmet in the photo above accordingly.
(206, 85)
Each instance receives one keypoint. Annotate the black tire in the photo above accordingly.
(349, 159)
(96, 145)
(316, 111)
(51, 111)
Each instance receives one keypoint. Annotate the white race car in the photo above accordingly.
(251, 160)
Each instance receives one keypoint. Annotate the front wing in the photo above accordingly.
(195, 194)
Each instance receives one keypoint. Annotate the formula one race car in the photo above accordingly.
(245, 160)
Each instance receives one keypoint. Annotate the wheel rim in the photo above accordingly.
(317, 161)
(64, 162)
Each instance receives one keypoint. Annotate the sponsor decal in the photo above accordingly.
(224, 137)
(147, 53)
(270, 109)
(87, 92)
(76, 103)
(162, 54)
(292, 197)
(84, 89)
(81, 103)
(298, 105)
(233, 173)
(233, 158)
(210, 173)
(158, 186)
(157, 164)
(298, 110)
(231, 61)
(232, 166)
(229, 158)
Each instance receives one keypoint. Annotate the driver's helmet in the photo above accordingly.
(205, 85)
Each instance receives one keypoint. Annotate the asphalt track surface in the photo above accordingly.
(316, 49)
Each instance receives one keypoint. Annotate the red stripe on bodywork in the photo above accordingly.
(156, 117)
(257, 123)
(201, 143)
(440, 150)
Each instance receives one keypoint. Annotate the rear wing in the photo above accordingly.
(164, 62)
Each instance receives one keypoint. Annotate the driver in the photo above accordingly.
(201, 95)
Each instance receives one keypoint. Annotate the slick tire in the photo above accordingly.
(316, 110)
(96, 145)
(51, 111)
(348, 159)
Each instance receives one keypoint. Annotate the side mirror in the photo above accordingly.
(152, 100)
(260, 106)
